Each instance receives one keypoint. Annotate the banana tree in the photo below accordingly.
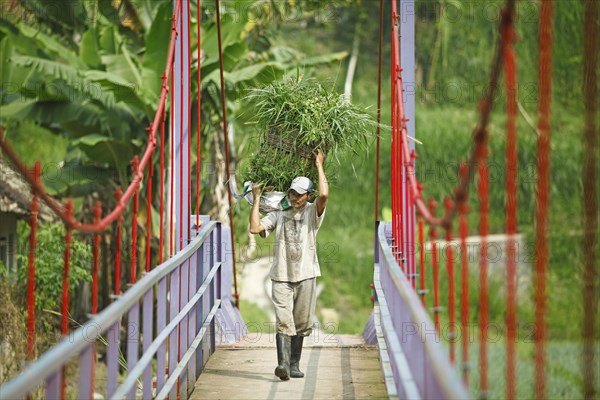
(89, 74)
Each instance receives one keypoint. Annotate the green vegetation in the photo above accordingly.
(563, 367)
(81, 83)
(295, 117)
(48, 292)
(257, 320)
(49, 270)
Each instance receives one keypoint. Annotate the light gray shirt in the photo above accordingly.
(295, 253)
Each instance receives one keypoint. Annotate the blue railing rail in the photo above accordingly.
(413, 360)
(184, 291)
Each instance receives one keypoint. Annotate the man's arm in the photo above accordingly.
(255, 226)
(323, 185)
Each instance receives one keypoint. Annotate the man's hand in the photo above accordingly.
(257, 190)
(319, 158)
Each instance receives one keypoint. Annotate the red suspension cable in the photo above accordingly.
(136, 203)
(96, 254)
(189, 132)
(33, 221)
(450, 269)
(422, 261)
(379, 70)
(172, 165)
(65, 282)
(149, 216)
(511, 210)
(397, 144)
(161, 185)
(180, 223)
(95, 268)
(464, 294)
(411, 230)
(434, 264)
(483, 273)
(118, 244)
(199, 107)
(393, 146)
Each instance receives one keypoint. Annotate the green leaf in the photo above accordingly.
(231, 57)
(324, 59)
(147, 10)
(234, 47)
(271, 69)
(104, 149)
(75, 178)
(232, 35)
(285, 54)
(51, 45)
(265, 71)
(16, 110)
(75, 119)
(157, 49)
(35, 142)
(118, 64)
(123, 90)
(107, 40)
(102, 76)
(132, 64)
(88, 51)
(6, 51)
(70, 76)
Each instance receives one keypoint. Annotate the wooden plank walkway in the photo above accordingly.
(342, 367)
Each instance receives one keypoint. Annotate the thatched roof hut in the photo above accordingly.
(15, 203)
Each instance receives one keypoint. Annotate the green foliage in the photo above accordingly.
(73, 93)
(456, 40)
(562, 367)
(444, 125)
(91, 76)
(257, 320)
(295, 117)
(49, 265)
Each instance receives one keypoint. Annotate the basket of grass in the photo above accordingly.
(295, 117)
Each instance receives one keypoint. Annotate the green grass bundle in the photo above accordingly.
(295, 117)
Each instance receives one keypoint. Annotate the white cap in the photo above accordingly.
(302, 185)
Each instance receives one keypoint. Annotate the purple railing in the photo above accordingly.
(180, 297)
(413, 361)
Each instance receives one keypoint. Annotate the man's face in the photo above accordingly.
(298, 201)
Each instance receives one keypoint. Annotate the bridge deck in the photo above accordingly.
(342, 367)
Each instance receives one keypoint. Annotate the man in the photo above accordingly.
(295, 264)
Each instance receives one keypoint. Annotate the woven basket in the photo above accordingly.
(287, 144)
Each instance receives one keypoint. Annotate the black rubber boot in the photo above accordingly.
(283, 356)
(295, 357)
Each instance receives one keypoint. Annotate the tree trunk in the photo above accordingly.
(352, 63)
(431, 77)
(219, 195)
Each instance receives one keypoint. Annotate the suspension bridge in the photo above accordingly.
(176, 332)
